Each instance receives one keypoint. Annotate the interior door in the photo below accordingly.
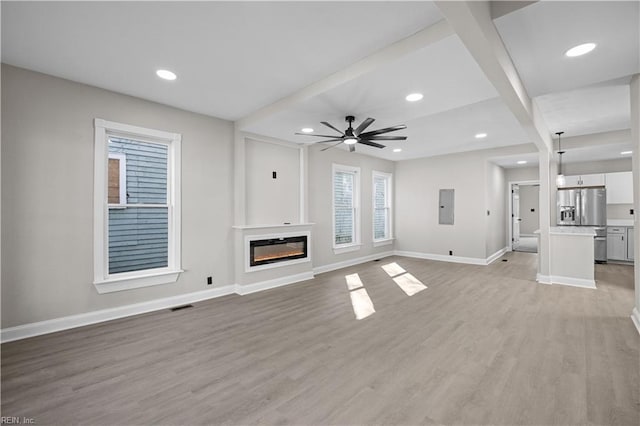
(515, 216)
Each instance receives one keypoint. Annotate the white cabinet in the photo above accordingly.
(597, 179)
(592, 180)
(616, 247)
(619, 188)
(571, 181)
(620, 243)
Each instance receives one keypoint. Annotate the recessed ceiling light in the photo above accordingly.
(626, 152)
(414, 97)
(481, 135)
(522, 162)
(307, 130)
(166, 74)
(580, 50)
(397, 150)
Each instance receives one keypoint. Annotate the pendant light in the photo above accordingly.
(560, 180)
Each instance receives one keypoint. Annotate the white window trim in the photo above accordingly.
(122, 162)
(356, 244)
(104, 282)
(377, 242)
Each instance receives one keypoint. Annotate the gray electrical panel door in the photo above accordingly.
(445, 214)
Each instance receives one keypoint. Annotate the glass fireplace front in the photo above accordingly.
(275, 250)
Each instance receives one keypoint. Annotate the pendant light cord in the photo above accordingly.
(560, 152)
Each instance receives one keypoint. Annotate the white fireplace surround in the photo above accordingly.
(247, 250)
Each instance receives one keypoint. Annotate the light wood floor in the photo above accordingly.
(481, 345)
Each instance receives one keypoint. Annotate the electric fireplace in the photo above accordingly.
(275, 250)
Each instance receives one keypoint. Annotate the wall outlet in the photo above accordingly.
(209, 280)
(450, 252)
(631, 211)
(274, 175)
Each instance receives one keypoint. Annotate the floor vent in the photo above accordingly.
(179, 308)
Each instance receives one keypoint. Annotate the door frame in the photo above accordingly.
(510, 212)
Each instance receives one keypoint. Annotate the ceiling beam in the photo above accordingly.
(432, 34)
(501, 8)
(614, 137)
(472, 22)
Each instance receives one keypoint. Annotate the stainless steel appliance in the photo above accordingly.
(586, 207)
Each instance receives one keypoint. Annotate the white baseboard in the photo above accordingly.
(351, 262)
(441, 257)
(543, 279)
(495, 256)
(573, 282)
(73, 321)
(635, 317)
(278, 282)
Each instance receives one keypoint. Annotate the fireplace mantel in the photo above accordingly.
(280, 225)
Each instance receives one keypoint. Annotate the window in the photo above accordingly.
(346, 212)
(136, 207)
(382, 207)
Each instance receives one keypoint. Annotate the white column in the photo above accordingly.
(547, 192)
(304, 184)
(239, 178)
(635, 140)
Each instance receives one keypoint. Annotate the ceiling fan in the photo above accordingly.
(352, 136)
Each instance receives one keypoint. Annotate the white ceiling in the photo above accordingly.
(592, 109)
(537, 36)
(574, 155)
(233, 58)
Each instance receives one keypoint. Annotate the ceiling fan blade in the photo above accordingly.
(330, 140)
(385, 130)
(366, 142)
(329, 147)
(385, 138)
(352, 148)
(311, 134)
(330, 126)
(366, 123)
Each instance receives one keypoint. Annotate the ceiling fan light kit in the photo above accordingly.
(353, 136)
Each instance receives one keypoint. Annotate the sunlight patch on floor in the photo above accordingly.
(362, 304)
(407, 282)
(360, 300)
(353, 281)
(393, 269)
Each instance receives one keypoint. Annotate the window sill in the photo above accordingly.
(137, 281)
(346, 249)
(380, 243)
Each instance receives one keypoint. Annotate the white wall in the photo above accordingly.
(496, 220)
(521, 174)
(417, 190)
(272, 201)
(47, 196)
(529, 199)
(320, 202)
(605, 166)
(619, 211)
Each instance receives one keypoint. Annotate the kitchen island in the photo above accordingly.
(572, 254)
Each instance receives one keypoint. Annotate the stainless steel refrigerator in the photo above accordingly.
(586, 207)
